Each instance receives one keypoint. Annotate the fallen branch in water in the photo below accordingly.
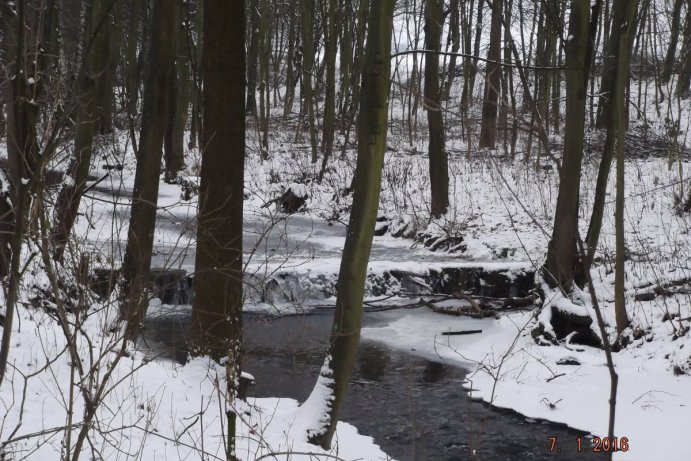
(462, 332)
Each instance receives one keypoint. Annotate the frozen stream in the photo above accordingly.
(414, 408)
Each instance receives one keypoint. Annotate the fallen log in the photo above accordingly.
(462, 332)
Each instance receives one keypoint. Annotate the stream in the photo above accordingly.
(415, 409)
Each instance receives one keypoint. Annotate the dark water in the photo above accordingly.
(414, 409)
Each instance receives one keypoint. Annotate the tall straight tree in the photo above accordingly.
(178, 99)
(69, 198)
(619, 125)
(624, 22)
(438, 163)
(330, 97)
(610, 63)
(684, 83)
(561, 251)
(217, 308)
(372, 127)
(307, 90)
(23, 157)
(140, 236)
(488, 129)
(673, 41)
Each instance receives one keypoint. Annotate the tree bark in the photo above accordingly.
(609, 66)
(131, 68)
(307, 93)
(217, 308)
(178, 100)
(372, 127)
(140, 237)
(684, 83)
(488, 129)
(619, 125)
(23, 157)
(330, 97)
(561, 252)
(69, 198)
(614, 125)
(673, 41)
(438, 162)
(253, 57)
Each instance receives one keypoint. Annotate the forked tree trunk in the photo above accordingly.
(609, 67)
(614, 125)
(372, 127)
(140, 236)
(561, 251)
(438, 163)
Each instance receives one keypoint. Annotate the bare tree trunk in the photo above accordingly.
(438, 163)
(685, 75)
(615, 124)
(610, 63)
(217, 309)
(488, 129)
(307, 94)
(264, 87)
(469, 84)
(140, 237)
(131, 68)
(372, 127)
(105, 96)
(561, 252)
(178, 99)
(673, 41)
(24, 162)
(291, 79)
(330, 97)
(69, 198)
(455, 33)
(253, 56)
(627, 30)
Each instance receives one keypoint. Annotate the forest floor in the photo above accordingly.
(500, 217)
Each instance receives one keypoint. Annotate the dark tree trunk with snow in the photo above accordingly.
(372, 129)
(140, 237)
(217, 308)
(438, 163)
(561, 252)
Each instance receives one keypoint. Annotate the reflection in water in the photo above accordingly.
(415, 409)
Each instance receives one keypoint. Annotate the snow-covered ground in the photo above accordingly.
(503, 211)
